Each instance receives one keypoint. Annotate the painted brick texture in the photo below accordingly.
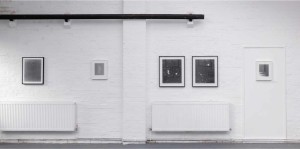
(120, 106)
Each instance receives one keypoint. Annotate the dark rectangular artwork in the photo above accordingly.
(33, 70)
(99, 68)
(205, 71)
(264, 70)
(172, 71)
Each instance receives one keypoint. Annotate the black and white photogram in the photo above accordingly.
(99, 69)
(264, 70)
(205, 71)
(171, 71)
(33, 70)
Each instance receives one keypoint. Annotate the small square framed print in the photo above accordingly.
(205, 71)
(32, 70)
(171, 71)
(264, 70)
(99, 70)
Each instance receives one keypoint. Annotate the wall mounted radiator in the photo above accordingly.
(37, 116)
(190, 116)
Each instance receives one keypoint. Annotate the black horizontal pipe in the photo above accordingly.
(98, 16)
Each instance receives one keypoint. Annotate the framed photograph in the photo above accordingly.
(205, 71)
(32, 70)
(264, 70)
(99, 70)
(171, 71)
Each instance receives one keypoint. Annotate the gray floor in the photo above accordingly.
(150, 146)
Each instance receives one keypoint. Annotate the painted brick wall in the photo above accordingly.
(68, 53)
(227, 28)
(134, 74)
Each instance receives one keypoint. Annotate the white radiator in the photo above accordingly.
(193, 116)
(37, 116)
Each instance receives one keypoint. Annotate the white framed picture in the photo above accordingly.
(171, 71)
(264, 70)
(99, 70)
(205, 71)
(33, 70)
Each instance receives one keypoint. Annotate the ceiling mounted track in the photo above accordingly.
(67, 17)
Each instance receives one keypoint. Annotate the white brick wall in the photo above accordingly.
(105, 106)
(68, 53)
(134, 74)
(227, 28)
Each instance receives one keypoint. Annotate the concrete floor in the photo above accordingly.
(150, 146)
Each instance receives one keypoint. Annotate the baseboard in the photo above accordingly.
(126, 142)
(64, 141)
(234, 141)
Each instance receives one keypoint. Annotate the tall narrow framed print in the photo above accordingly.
(171, 71)
(205, 71)
(32, 70)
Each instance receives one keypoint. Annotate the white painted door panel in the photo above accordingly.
(265, 113)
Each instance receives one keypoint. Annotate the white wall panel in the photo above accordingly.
(265, 101)
(134, 74)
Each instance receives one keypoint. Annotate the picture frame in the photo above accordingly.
(33, 70)
(99, 69)
(264, 70)
(171, 71)
(205, 71)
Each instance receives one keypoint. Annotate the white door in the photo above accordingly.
(265, 113)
